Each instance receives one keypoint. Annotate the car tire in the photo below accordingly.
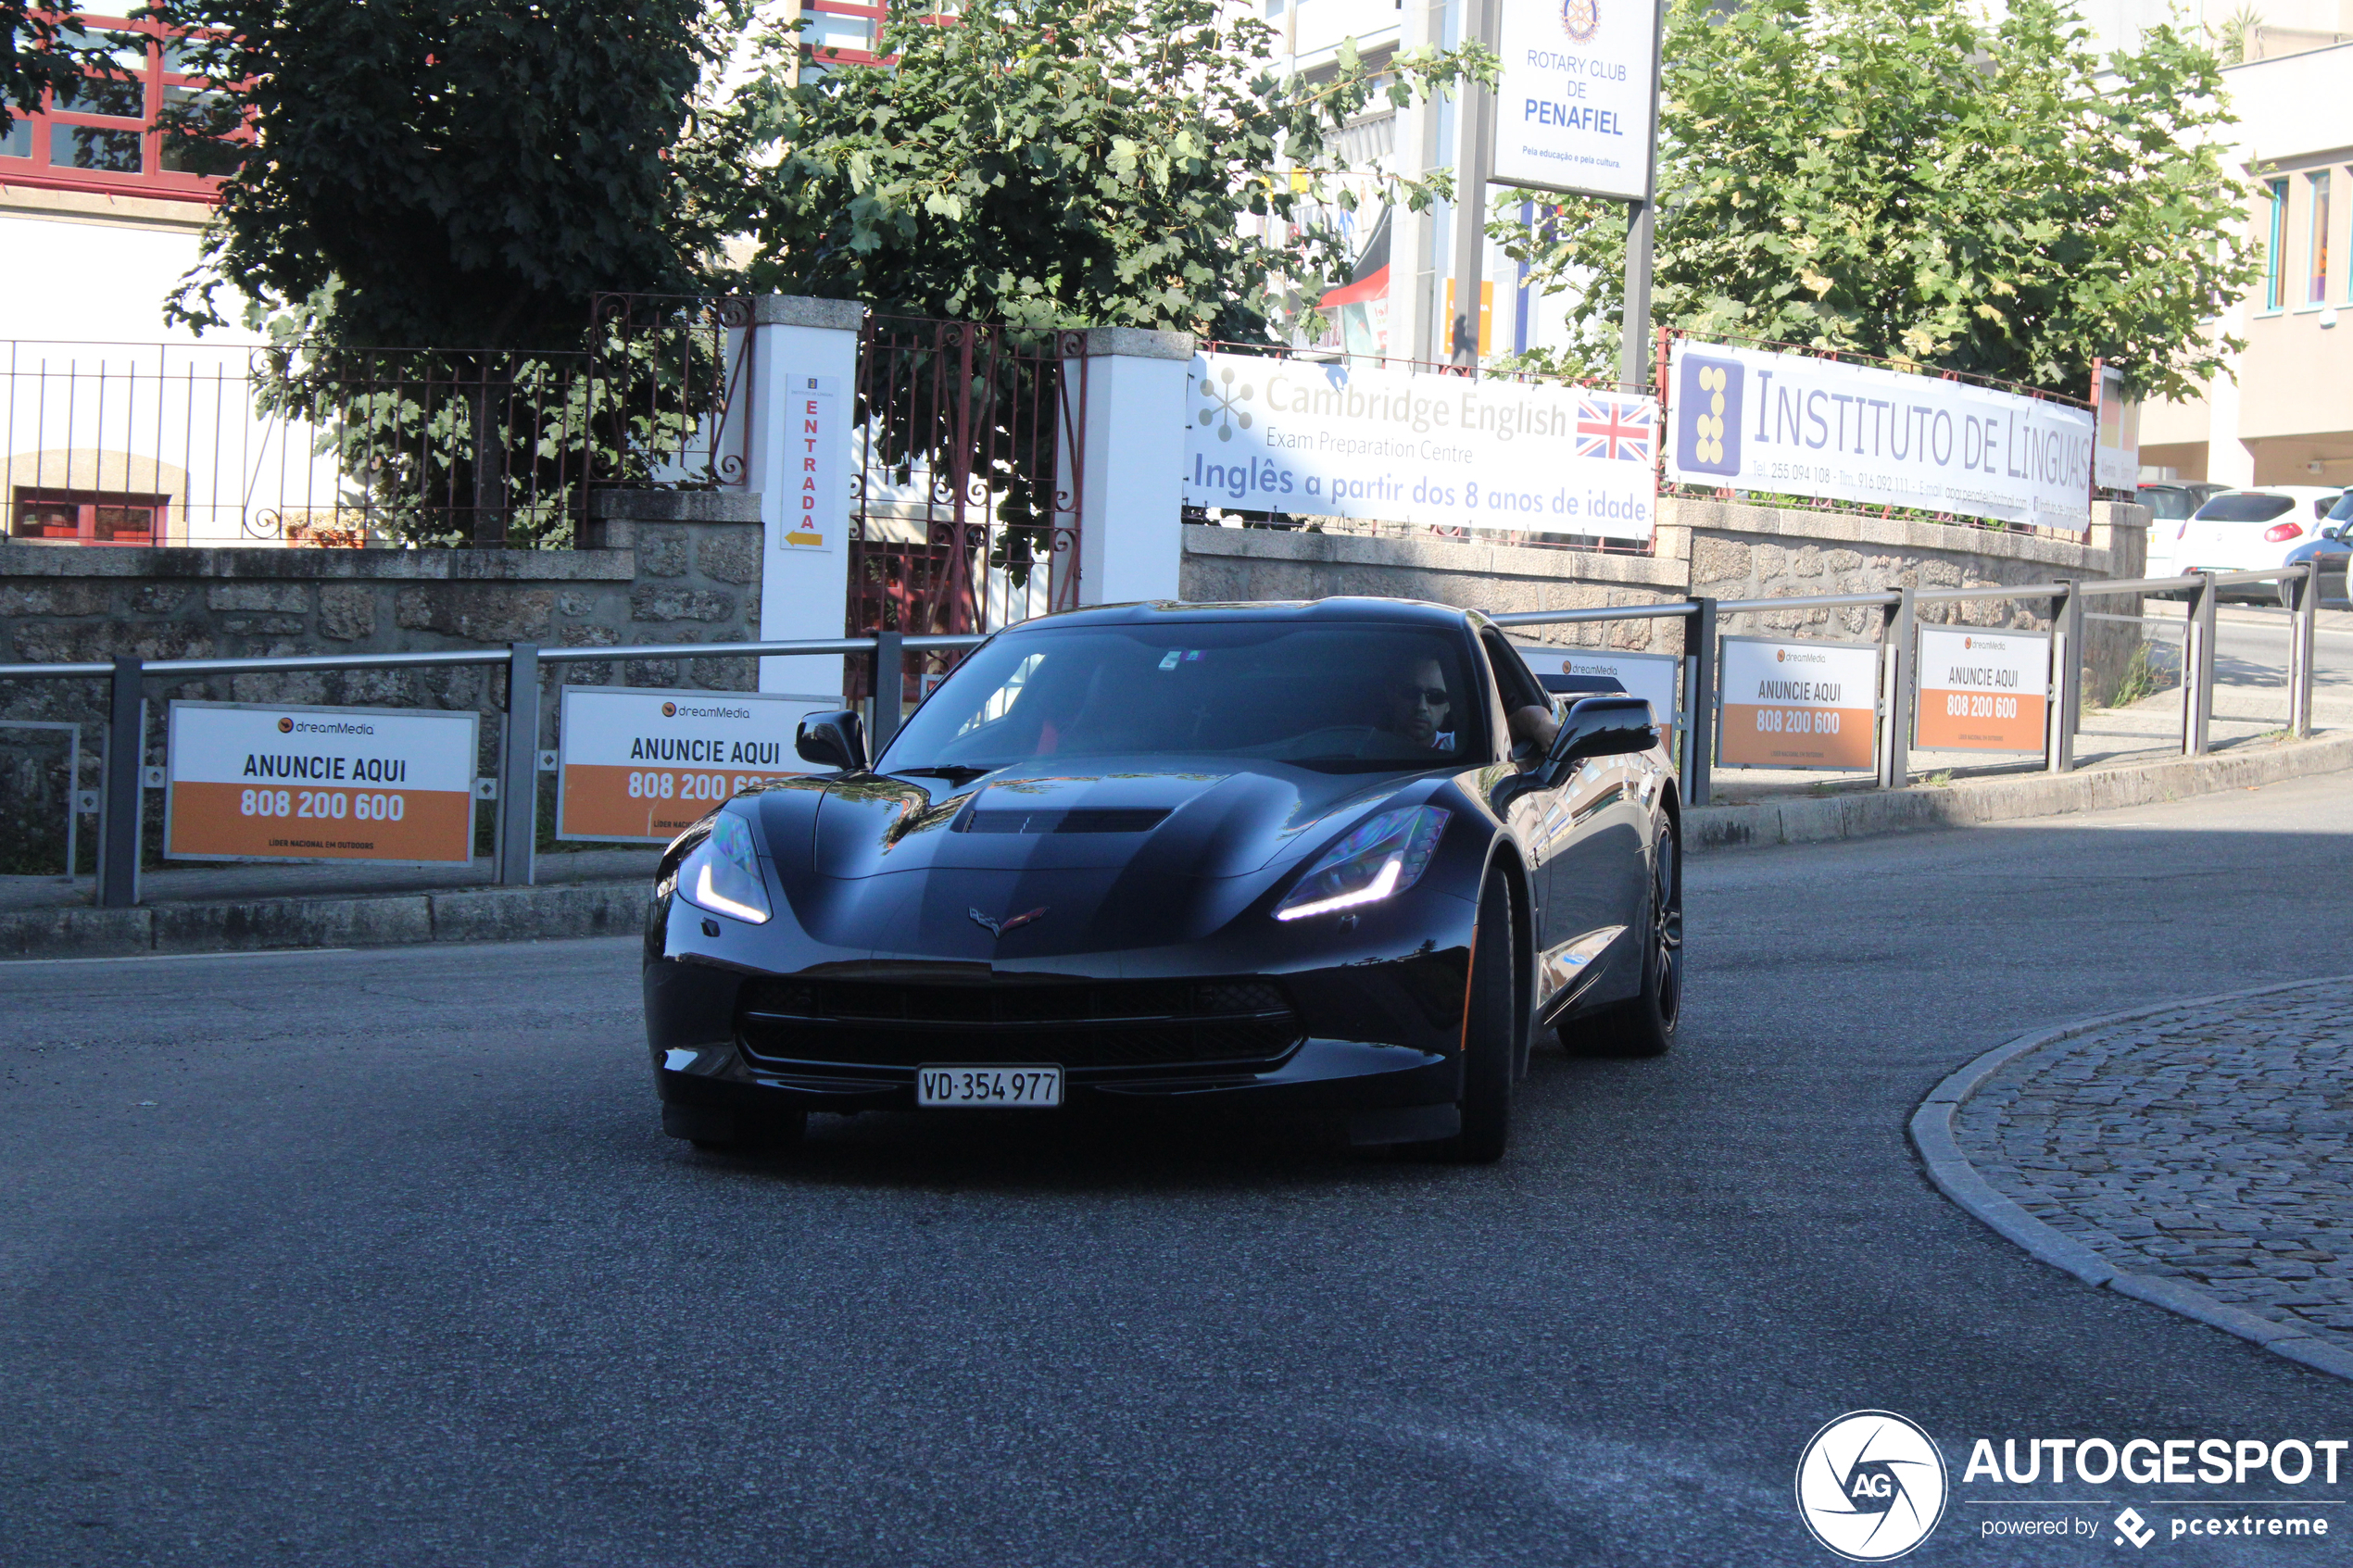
(1490, 1056)
(721, 1131)
(1645, 1025)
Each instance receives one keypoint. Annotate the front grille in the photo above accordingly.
(1096, 1023)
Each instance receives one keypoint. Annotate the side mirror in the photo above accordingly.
(1601, 726)
(833, 740)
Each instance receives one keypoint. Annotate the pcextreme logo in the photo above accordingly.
(1872, 1486)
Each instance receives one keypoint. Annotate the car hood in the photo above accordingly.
(1127, 852)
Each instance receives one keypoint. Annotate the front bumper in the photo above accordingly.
(1377, 1008)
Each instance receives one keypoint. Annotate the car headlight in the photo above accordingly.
(721, 874)
(1383, 857)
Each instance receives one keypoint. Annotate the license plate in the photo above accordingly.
(989, 1086)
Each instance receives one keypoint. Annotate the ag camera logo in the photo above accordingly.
(1872, 1486)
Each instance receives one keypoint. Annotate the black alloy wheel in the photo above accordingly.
(1490, 1058)
(1644, 1025)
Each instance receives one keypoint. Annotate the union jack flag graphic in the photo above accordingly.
(1621, 431)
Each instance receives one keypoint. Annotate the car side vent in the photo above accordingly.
(1082, 819)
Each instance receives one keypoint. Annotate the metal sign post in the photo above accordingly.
(1473, 166)
(1642, 233)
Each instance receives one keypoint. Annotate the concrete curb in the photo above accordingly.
(1920, 807)
(466, 914)
(1931, 1130)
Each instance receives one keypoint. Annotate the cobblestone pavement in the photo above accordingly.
(2213, 1145)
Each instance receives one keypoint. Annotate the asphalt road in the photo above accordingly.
(378, 1258)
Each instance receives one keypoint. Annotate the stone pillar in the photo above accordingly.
(1132, 486)
(804, 377)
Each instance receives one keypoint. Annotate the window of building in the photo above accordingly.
(2278, 244)
(88, 517)
(106, 132)
(844, 32)
(2318, 291)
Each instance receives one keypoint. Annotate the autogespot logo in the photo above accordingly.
(1872, 1486)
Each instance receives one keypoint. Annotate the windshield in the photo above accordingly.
(2244, 506)
(2168, 503)
(2343, 510)
(1340, 698)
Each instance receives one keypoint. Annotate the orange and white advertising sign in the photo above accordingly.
(250, 782)
(1798, 705)
(1657, 678)
(1982, 691)
(641, 766)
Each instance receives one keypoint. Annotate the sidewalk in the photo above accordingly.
(597, 893)
(241, 907)
(2191, 1155)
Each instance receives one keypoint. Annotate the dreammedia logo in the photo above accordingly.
(1872, 1486)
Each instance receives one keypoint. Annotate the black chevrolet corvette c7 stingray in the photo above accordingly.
(1287, 856)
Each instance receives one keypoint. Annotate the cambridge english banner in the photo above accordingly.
(1291, 435)
(1790, 424)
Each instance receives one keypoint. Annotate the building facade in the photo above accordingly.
(2283, 414)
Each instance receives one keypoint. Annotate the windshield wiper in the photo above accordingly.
(957, 774)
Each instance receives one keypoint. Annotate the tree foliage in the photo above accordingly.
(449, 171)
(41, 47)
(1900, 178)
(1053, 163)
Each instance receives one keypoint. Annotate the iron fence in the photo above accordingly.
(886, 666)
(311, 444)
(969, 453)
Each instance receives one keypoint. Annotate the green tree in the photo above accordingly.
(39, 50)
(1900, 178)
(459, 173)
(1053, 163)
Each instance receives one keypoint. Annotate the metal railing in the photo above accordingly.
(515, 786)
(516, 790)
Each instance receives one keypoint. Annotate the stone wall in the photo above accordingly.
(1723, 549)
(692, 575)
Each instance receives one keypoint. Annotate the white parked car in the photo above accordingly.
(2244, 531)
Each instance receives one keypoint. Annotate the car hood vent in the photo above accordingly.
(1078, 819)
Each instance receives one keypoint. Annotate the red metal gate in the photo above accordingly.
(965, 509)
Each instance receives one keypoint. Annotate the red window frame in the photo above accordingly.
(37, 131)
(870, 12)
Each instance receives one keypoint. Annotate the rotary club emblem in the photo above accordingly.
(1580, 18)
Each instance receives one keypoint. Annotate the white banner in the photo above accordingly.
(1293, 435)
(1788, 424)
(640, 765)
(1574, 109)
(256, 782)
(1792, 704)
